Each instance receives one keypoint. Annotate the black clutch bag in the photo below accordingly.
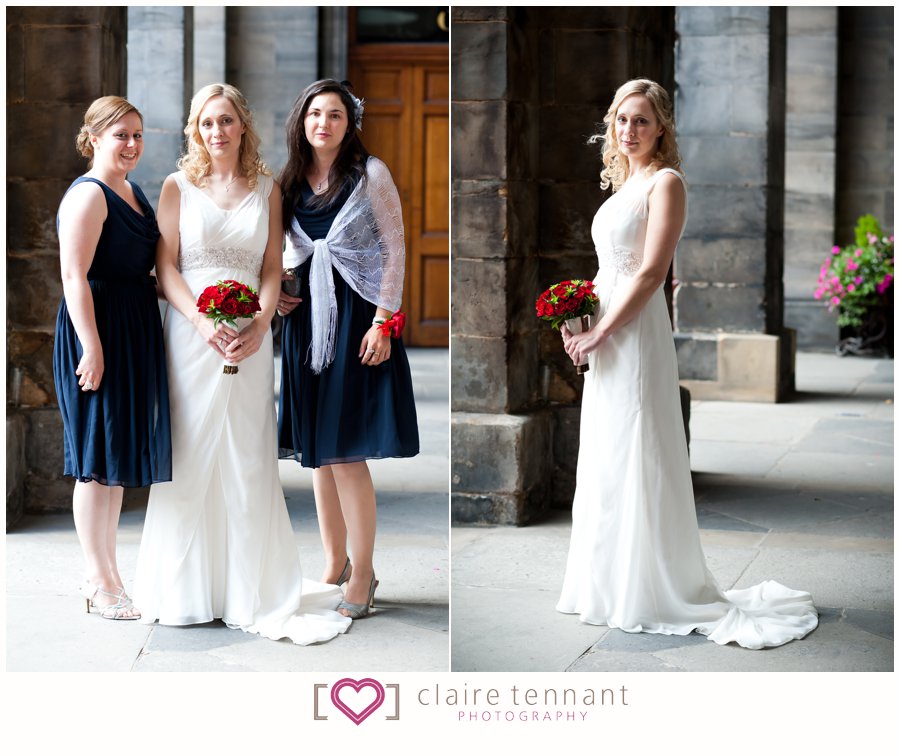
(290, 282)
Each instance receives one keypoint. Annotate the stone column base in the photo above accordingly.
(742, 367)
(501, 467)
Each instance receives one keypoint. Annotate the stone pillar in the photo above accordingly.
(45, 105)
(865, 173)
(501, 448)
(529, 86)
(209, 45)
(272, 57)
(730, 108)
(160, 85)
(333, 42)
(810, 170)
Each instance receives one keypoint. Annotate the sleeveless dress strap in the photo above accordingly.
(264, 185)
(182, 180)
(655, 177)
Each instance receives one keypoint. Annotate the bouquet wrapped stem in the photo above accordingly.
(571, 302)
(225, 302)
(579, 324)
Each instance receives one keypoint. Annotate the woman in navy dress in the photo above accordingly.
(346, 391)
(108, 361)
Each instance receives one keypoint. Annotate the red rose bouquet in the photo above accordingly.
(570, 302)
(225, 302)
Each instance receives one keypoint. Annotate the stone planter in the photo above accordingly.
(875, 337)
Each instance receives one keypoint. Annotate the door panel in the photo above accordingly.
(407, 124)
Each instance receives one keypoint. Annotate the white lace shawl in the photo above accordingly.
(365, 245)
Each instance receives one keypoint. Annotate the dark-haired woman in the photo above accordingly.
(108, 361)
(346, 392)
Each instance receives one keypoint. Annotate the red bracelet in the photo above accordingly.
(393, 326)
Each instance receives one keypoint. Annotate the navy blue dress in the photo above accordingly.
(349, 412)
(119, 434)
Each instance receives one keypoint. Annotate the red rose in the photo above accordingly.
(229, 307)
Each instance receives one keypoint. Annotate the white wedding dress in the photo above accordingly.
(635, 560)
(217, 540)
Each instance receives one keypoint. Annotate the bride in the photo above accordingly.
(635, 560)
(217, 540)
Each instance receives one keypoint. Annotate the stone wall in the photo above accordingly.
(209, 45)
(529, 87)
(272, 55)
(45, 107)
(269, 53)
(730, 106)
(810, 169)
(865, 172)
(160, 85)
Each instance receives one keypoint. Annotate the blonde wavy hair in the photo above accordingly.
(196, 162)
(615, 164)
(100, 115)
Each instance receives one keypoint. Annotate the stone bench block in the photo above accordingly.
(499, 467)
(697, 356)
(748, 369)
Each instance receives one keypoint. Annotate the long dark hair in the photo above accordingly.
(348, 168)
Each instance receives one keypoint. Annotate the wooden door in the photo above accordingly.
(406, 88)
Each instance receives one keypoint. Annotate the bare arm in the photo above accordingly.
(171, 283)
(81, 216)
(269, 287)
(375, 346)
(667, 205)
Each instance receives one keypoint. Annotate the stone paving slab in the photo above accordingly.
(834, 578)
(515, 630)
(48, 630)
(801, 493)
(864, 472)
(709, 520)
(734, 457)
(785, 511)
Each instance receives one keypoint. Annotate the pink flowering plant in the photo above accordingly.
(857, 277)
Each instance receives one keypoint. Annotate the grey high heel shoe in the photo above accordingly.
(345, 574)
(114, 611)
(358, 611)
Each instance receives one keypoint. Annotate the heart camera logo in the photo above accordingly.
(359, 699)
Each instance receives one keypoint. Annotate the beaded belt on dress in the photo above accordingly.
(239, 258)
(621, 259)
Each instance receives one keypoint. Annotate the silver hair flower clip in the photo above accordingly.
(358, 109)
